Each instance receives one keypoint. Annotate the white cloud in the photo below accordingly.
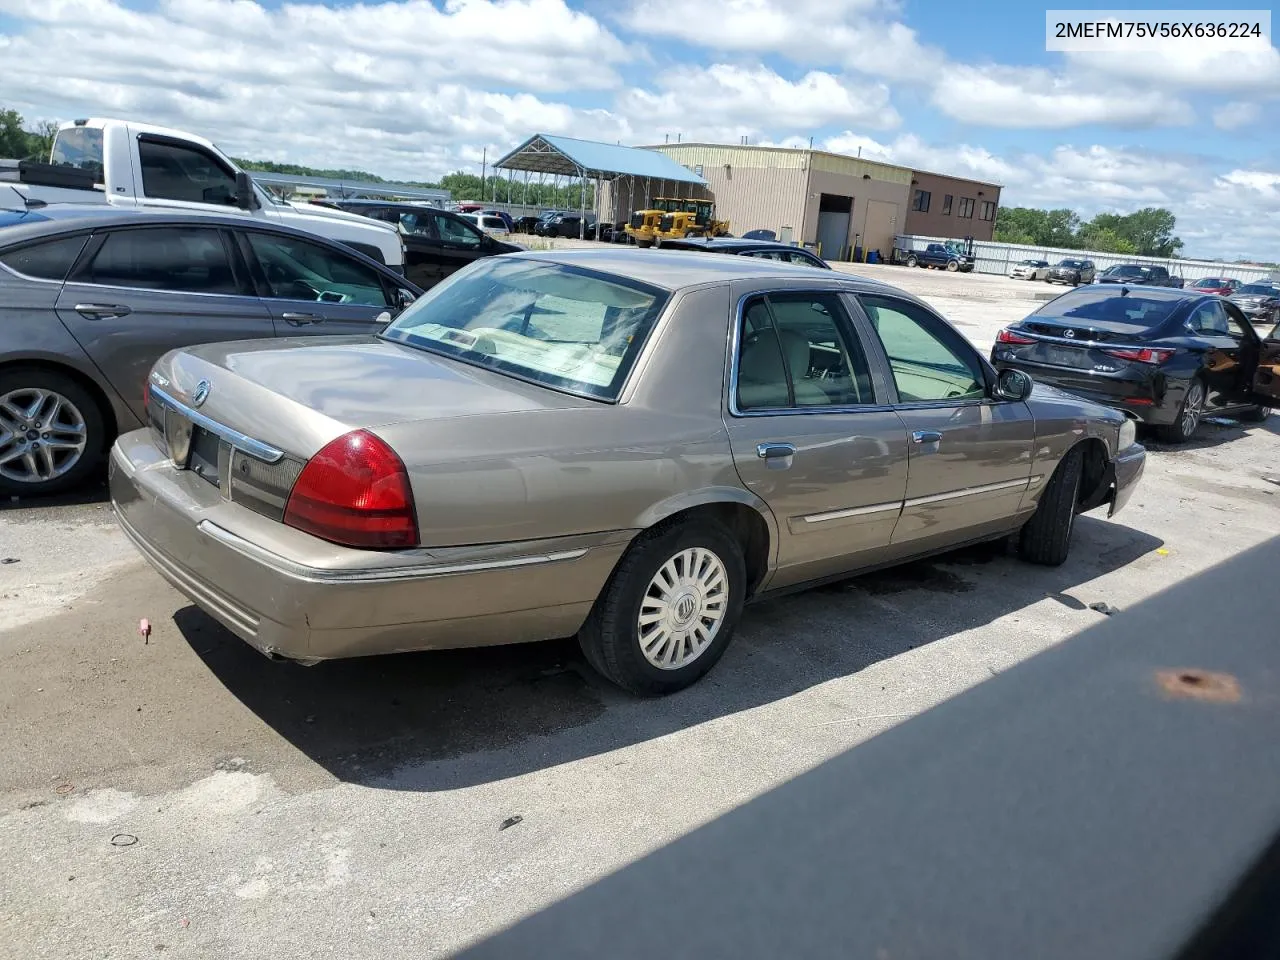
(1236, 114)
(1034, 98)
(724, 102)
(860, 35)
(1188, 66)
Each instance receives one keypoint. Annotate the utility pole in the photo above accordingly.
(484, 166)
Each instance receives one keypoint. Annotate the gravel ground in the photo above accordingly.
(186, 797)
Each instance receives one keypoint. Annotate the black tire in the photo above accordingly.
(1046, 538)
(1190, 411)
(912, 262)
(95, 433)
(610, 638)
(952, 266)
(1254, 414)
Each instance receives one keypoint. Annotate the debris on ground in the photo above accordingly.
(1106, 608)
(123, 840)
(63, 789)
(144, 630)
(10, 560)
(1275, 480)
(510, 822)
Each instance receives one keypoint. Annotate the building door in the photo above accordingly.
(880, 227)
(834, 215)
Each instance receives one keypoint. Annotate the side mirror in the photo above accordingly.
(1013, 385)
(404, 298)
(246, 198)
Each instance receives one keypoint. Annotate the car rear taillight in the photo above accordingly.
(1142, 355)
(146, 395)
(355, 492)
(1008, 336)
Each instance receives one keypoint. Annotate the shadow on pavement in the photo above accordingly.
(1211, 433)
(444, 720)
(94, 491)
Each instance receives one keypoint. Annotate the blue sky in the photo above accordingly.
(417, 88)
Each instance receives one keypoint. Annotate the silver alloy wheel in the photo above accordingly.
(1192, 407)
(42, 435)
(683, 608)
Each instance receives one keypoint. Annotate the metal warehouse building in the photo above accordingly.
(829, 200)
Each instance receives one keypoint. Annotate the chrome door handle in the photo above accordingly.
(774, 451)
(96, 311)
(301, 319)
(926, 436)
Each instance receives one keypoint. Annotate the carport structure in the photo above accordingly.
(632, 167)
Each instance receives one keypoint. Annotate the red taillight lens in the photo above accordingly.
(146, 395)
(1008, 336)
(355, 491)
(1144, 355)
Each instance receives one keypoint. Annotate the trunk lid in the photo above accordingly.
(298, 394)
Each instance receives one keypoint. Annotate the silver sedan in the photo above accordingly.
(624, 446)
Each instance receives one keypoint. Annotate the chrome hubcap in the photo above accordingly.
(683, 608)
(42, 435)
(1191, 409)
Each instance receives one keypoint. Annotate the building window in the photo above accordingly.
(988, 210)
(920, 202)
(946, 205)
(966, 208)
(698, 169)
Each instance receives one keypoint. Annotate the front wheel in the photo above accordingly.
(52, 433)
(952, 266)
(1046, 538)
(1184, 428)
(669, 609)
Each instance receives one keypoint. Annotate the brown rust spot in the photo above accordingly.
(1199, 685)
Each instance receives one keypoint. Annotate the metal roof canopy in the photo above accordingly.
(587, 159)
(352, 188)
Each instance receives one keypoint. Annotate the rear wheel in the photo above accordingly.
(1184, 427)
(1046, 537)
(1255, 414)
(52, 432)
(669, 610)
(912, 262)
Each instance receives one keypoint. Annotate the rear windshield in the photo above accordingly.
(1105, 306)
(573, 329)
(1261, 289)
(1129, 270)
(79, 147)
(1072, 263)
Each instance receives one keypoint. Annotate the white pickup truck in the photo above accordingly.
(129, 164)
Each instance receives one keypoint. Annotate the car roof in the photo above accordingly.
(404, 204)
(735, 243)
(57, 219)
(676, 269)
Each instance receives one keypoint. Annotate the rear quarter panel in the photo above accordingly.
(1062, 422)
(588, 469)
(30, 332)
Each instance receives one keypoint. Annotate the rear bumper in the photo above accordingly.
(1127, 470)
(1138, 397)
(272, 587)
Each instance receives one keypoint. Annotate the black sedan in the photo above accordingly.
(1139, 275)
(1260, 302)
(1072, 271)
(1168, 357)
(743, 247)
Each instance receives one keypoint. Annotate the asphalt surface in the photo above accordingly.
(183, 796)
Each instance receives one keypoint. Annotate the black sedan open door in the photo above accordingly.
(1266, 378)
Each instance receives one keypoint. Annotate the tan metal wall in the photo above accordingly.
(935, 223)
(619, 198)
(885, 194)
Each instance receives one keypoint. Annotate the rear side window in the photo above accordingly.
(177, 259)
(45, 261)
(494, 223)
(79, 147)
(298, 270)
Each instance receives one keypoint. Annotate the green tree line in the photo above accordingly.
(19, 143)
(1148, 232)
